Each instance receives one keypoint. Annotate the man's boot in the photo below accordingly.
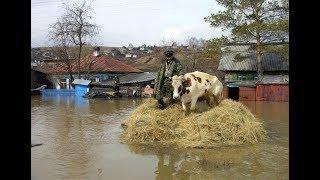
(161, 104)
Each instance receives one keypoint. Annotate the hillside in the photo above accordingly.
(191, 61)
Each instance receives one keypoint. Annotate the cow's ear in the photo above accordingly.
(181, 77)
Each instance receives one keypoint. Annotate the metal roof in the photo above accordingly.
(138, 77)
(81, 82)
(274, 79)
(242, 84)
(265, 79)
(130, 79)
(247, 62)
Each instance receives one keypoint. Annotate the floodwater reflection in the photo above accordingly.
(81, 141)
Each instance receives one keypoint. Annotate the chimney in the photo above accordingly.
(96, 51)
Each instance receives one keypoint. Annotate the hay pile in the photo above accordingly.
(230, 123)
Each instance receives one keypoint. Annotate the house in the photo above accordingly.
(135, 84)
(94, 67)
(128, 55)
(143, 47)
(131, 55)
(116, 53)
(130, 47)
(39, 78)
(241, 82)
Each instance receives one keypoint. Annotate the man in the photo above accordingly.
(169, 67)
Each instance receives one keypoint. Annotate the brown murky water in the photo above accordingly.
(81, 141)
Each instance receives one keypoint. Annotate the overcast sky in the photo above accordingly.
(133, 21)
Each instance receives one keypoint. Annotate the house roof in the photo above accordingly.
(138, 77)
(36, 69)
(247, 60)
(91, 63)
(130, 79)
(81, 82)
(265, 79)
(274, 79)
(242, 84)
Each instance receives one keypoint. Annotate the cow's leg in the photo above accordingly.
(184, 106)
(217, 100)
(211, 101)
(193, 103)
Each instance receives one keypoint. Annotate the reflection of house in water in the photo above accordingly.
(135, 84)
(81, 102)
(239, 64)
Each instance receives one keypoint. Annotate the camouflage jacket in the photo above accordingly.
(175, 68)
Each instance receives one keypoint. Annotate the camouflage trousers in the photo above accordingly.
(165, 90)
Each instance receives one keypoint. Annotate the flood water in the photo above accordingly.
(81, 141)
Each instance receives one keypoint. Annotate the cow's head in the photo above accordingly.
(177, 85)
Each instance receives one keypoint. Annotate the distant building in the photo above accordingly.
(130, 55)
(239, 64)
(130, 47)
(150, 51)
(143, 48)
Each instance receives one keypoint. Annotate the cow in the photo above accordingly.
(197, 85)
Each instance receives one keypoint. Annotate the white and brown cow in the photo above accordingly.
(193, 86)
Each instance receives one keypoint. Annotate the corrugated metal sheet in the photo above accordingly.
(130, 79)
(247, 93)
(272, 93)
(270, 61)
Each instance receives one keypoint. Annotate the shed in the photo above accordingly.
(81, 86)
(241, 90)
(128, 83)
(273, 88)
(239, 63)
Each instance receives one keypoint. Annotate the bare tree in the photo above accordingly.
(80, 28)
(60, 37)
(74, 29)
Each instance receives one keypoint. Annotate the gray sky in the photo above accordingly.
(133, 21)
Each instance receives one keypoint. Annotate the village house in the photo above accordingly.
(241, 82)
(143, 48)
(130, 47)
(131, 85)
(39, 78)
(95, 67)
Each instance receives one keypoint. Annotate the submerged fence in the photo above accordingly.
(61, 92)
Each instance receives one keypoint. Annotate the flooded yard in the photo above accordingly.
(81, 141)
